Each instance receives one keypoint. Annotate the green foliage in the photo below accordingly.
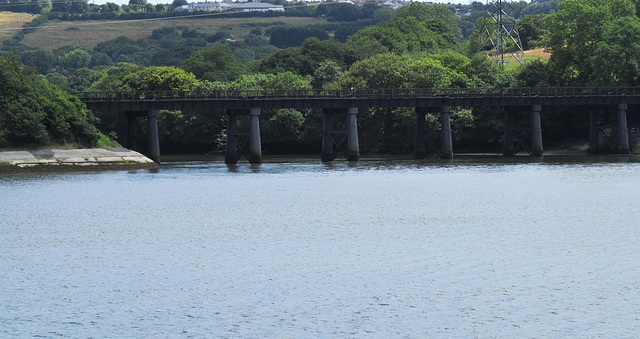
(327, 72)
(616, 60)
(575, 32)
(41, 60)
(58, 80)
(78, 58)
(129, 77)
(306, 59)
(426, 12)
(280, 81)
(111, 79)
(434, 71)
(284, 37)
(195, 131)
(100, 60)
(105, 141)
(165, 78)
(118, 46)
(214, 63)
(285, 126)
(34, 112)
(541, 7)
(534, 74)
(341, 11)
(407, 34)
(178, 3)
(531, 30)
(82, 78)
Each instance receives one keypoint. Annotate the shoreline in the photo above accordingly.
(121, 159)
(73, 160)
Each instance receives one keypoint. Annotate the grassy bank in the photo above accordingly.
(10, 23)
(87, 34)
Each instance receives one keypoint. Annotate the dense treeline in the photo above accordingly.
(421, 45)
(34, 112)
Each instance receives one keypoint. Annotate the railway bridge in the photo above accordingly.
(347, 102)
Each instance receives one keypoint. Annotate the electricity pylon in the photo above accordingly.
(500, 32)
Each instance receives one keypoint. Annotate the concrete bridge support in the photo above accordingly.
(336, 141)
(255, 144)
(447, 139)
(154, 137)
(327, 140)
(536, 132)
(231, 152)
(623, 131)
(420, 151)
(353, 146)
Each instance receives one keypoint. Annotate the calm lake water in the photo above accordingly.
(476, 247)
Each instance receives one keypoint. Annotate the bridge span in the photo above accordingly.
(349, 101)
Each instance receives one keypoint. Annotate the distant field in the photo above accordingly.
(88, 34)
(536, 54)
(530, 55)
(10, 22)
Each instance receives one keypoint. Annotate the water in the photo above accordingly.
(471, 248)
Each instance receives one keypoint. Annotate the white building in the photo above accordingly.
(230, 6)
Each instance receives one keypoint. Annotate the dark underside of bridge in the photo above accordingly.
(348, 102)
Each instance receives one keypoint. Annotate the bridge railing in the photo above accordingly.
(383, 93)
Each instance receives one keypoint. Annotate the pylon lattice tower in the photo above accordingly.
(501, 34)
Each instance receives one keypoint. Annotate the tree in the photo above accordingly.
(284, 37)
(616, 60)
(34, 112)
(214, 63)
(165, 78)
(112, 77)
(425, 12)
(178, 3)
(77, 58)
(82, 79)
(100, 59)
(531, 30)
(575, 32)
(327, 72)
(284, 126)
(534, 74)
(407, 34)
(306, 59)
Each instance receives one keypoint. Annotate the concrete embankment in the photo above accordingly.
(93, 159)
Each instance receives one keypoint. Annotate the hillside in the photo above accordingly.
(87, 34)
(10, 22)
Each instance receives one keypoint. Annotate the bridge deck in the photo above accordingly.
(310, 98)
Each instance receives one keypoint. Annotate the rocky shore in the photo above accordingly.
(93, 159)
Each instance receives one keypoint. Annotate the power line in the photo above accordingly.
(500, 32)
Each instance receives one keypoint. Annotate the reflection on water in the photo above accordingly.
(473, 247)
